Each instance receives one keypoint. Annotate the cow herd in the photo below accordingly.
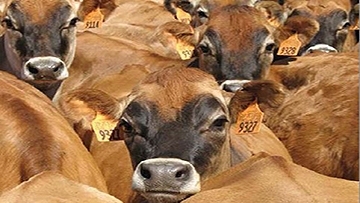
(166, 101)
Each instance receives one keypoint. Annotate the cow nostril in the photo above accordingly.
(145, 173)
(32, 69)
(56, 69)
(180, 174)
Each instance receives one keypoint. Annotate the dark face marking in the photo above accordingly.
(196, 135)
(50, 37)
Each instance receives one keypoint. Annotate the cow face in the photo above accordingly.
(237, 44)
(176, 132)
(333, 20)
(39, 40)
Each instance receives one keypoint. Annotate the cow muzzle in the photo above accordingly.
(165, 179)
(45, 69)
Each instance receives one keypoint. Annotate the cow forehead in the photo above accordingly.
(40, 10)
(238, 24)
(171, 92)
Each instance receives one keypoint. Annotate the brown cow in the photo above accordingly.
(266, 178)
(332, 17)
(49, 186)
(39, 41)
(37, 138)
(318, 121)
(197, 111)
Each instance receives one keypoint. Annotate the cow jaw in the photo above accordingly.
(166, 179)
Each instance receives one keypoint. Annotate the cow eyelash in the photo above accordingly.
(125, 126)
(219, 124)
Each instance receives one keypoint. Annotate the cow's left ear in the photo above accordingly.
(269, 94)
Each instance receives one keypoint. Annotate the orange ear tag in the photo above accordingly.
(183, 16)
(94, 19)
(103, 127)
(290, 46)
(185, 50)
(249, 120)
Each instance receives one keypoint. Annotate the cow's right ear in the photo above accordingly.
(89, 111)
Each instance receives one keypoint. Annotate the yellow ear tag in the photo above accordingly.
(183, 16)
(103, 127)
(249, 120)
(94, 19)
(290, 46)
(185, 50)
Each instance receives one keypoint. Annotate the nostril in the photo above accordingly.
(56, 69)
(32, 69)
(145, 173)
(182, 174)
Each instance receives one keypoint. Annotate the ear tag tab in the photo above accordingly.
(94, 19)
(103, 127)
(290, 46)
(249, 120)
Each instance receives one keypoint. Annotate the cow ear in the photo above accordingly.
(354, 17)
(275, 14)
(180, 36)
(305, 28)
(269, 94)
(88, 109)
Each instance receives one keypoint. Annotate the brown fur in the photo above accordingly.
(266, 178)
(32, 146)
(38, 11)
(318, 121)
(249, 21)
(50, 186)
(87, 6)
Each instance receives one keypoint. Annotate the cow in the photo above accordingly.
(332, 17)
(36, 138)
(265, 178)
(318, 120)
(38, 44)
(49, 186)
(176, 101)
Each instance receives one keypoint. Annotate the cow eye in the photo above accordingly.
(219, 124)
(74, 21)
(346, 25)
(126, 127)
(270, 47)
(204, 48)
(8, 23)
(202, 14)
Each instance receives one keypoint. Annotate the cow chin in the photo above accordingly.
(44, 85)
(155, 197)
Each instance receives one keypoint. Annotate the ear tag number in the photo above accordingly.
(185, 50)
(249, 120)
(290, 46)
(94, 19)
(103, 128)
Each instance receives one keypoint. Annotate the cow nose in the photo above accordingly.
(48, 68)
(166, 175)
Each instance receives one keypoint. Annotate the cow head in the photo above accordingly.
(175, 128)
(39, 40)
(237, 43)
(332, 17)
